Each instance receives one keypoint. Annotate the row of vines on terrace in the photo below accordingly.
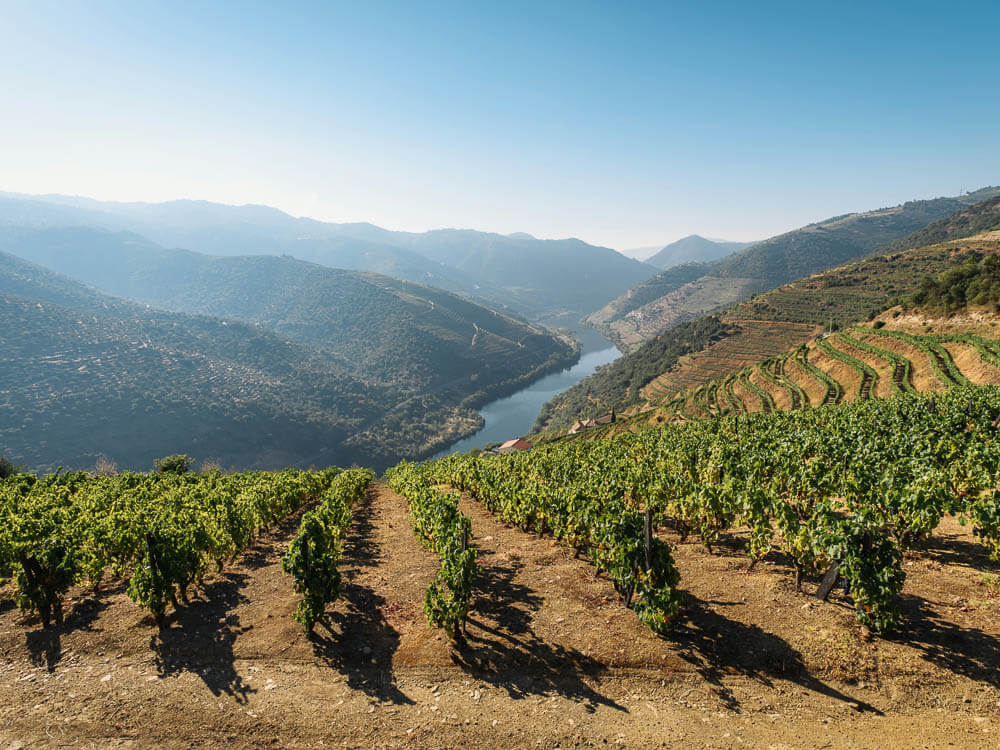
(854, 485)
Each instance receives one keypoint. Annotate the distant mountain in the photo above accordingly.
(773, 262)
(422, 359)
(694, 249)
(646, 293)
(543, 279)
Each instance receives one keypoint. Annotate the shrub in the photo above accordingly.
(105, 467)
(178, 463)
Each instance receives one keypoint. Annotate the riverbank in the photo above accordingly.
(514, 415)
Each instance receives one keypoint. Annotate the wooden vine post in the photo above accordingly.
(648, 537)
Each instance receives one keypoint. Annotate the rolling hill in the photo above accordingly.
(704, 349)
(773, 262)
(324, 365)
(85, 375)
(381, 329)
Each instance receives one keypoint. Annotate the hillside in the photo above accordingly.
(386, 331)
(558, 280)
(694, 249)
(771, 323)
(899, 352)
(780, 260)
(84, 375)
(645, 293)
(318, 374)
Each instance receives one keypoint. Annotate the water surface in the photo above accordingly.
(513, 416)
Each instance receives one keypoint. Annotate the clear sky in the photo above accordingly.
(624, 124)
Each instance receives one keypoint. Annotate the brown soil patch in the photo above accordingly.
(883, 387)
(751, 401)
(847, 376)
(782, 398)
(550, 657)
(815, 390)
(972, 365)
(922, 373)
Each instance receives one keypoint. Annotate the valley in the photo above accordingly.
(767, 325)
(787, 535)
(527, 376)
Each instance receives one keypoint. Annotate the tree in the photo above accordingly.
(7, 468)
(178, 463)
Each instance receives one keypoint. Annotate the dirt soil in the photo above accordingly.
(550, 658)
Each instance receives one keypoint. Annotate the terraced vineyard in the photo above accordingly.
(770, 324)
(748, 342)
(861, 363)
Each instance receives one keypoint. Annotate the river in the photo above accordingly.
(513, 416)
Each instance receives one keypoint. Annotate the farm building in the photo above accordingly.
(514, 445)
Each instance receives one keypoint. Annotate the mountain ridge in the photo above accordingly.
(772, 262)
(544, 279)
(694, 249)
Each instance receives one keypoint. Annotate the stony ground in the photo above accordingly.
(550, 657)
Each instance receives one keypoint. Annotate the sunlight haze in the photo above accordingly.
(627, 125)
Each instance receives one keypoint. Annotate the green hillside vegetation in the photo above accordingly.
(974, 283)
(979, 217)
(861, 364)
(79, 385)
(795, 255)
(129, 382)
(770, 324)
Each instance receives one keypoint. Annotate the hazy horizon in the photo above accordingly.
(627, 128)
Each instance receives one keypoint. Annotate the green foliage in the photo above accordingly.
(313, 555)
(177, 463)
(7, 468)
(979, 217)
(443, 529)
(973, 283)
(159, 531)
(857, 484)
(541, 493)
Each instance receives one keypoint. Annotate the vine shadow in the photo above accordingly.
(359, 642)
(965, 651)
(499, 647)
(199, 638)
(950, 549)
(717, 646)
(45, 644)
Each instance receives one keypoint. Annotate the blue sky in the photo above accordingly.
(625, 124)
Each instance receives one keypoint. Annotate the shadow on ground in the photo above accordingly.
(950, 549)
(359, 642)
(199, 637)
(717, 646)
(45, 644)
(967, 652)
(500, 648)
